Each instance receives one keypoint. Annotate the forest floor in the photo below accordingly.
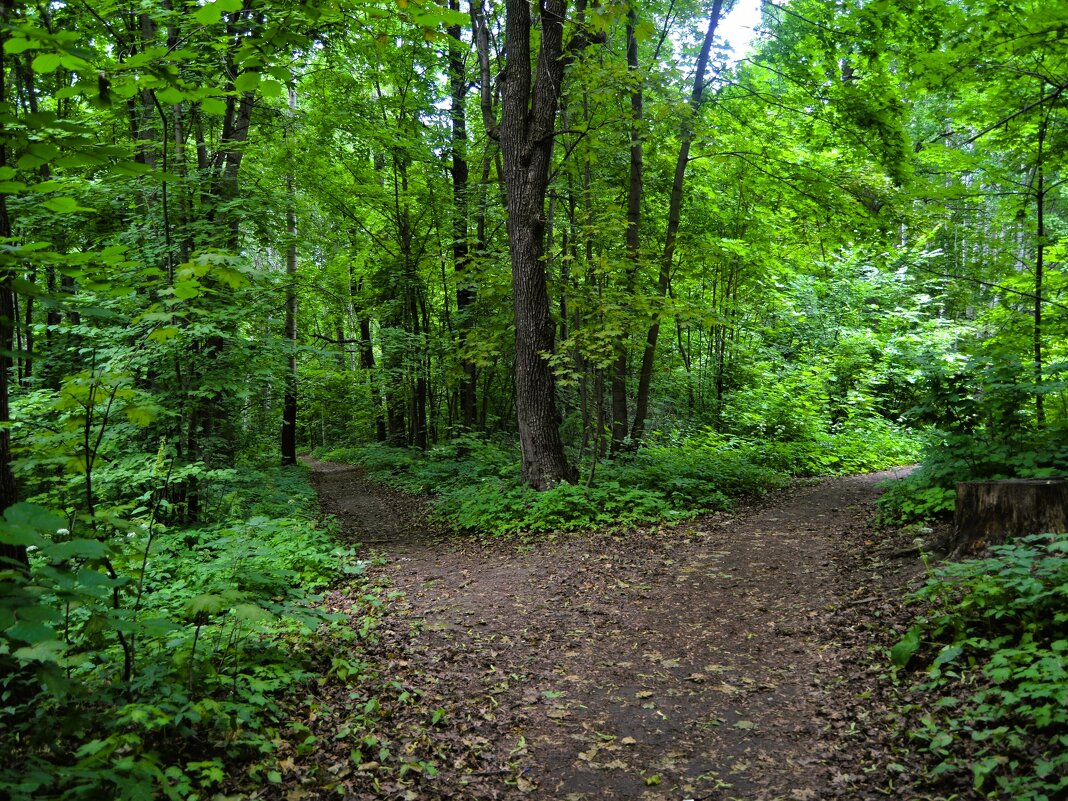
(731, 656)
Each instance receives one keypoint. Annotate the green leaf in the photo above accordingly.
(165, 333)
(33, 516)
(247, 81)
(73, 63)
(63, 205)
(210, 603)
(43, 651)
(186, 289)
(141, 415)
(170, 96)
(78, 548)
(31, 631)
(271, 88)
(18, 45)
(901, 653)
(213, 105)
(46, 62)
(945, 656)
(212, 12)
(252, 612)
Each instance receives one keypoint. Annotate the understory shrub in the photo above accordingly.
(948, 458)
(135, 658)
(992, 701)
(476, 484)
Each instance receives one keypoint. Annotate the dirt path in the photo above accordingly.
(716, 659)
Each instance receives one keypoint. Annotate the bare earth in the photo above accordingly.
(723, 658)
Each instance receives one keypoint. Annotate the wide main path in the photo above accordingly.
(699, 661)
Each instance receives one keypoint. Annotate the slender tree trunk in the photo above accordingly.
(1040, 257)
(367, 362)
(8, 490)
(465, 292)
(289, 400)
(527, 116)
(634, 213)
(645, 377)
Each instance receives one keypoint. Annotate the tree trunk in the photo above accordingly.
(634, 214)
(527, 117)
(645, 377)
(465, 292)
(289, 401)
(8, 491)
(1040, 252)
(992, 512)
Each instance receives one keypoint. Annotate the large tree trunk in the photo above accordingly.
(992, 512)
(645, 377)
(527, 117)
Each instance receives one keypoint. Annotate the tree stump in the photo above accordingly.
(993, 512)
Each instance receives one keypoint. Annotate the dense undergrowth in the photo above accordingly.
(476, 484)
(141, 657)
(991, 700)
(929, 492)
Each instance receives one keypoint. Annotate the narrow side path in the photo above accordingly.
(696, 661)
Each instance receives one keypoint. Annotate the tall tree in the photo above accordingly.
(634, 215)
(645, 377)
(529, 100)
(8, 490)
(465, 292)
(289, 399)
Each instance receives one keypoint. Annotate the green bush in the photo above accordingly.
(135, 659)
(475, 482)
(994, 642)
(948, 458)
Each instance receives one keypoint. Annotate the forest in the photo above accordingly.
(356, 354)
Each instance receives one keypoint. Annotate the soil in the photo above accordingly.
(733, 656)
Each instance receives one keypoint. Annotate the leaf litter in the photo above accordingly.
(584, 669)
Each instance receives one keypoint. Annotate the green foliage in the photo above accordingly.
(137, 657)
(475, 485)
(994, 644)
(930, 493)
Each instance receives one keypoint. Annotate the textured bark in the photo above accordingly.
(993, 512)
(645, 377)
(528, 111)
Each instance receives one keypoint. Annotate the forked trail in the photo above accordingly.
(717, 659)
